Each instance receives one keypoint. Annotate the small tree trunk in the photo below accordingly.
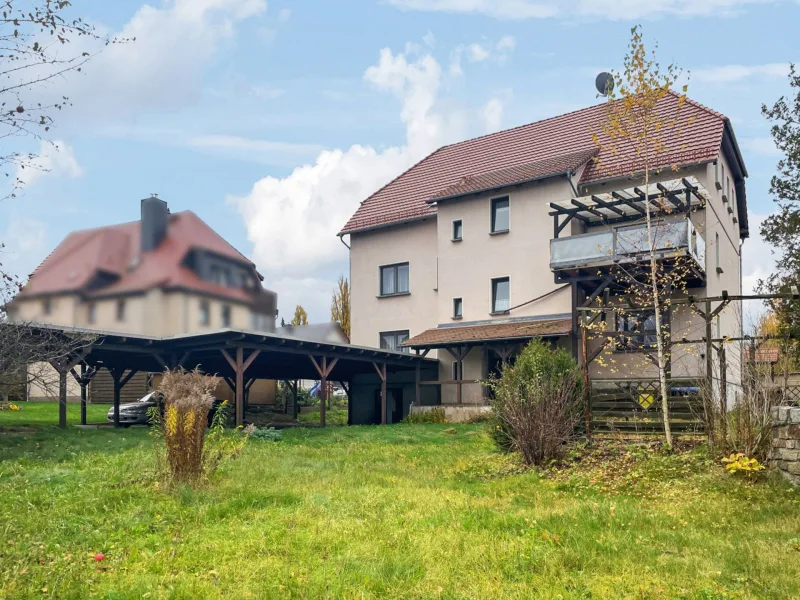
(662, 371)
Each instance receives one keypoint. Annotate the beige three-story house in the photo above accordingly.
(162, 275)
(487, 243)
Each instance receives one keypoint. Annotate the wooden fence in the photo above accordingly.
(634, 407)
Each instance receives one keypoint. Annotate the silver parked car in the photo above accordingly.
(136, 413)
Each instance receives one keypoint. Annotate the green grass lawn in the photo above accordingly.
(400, 511)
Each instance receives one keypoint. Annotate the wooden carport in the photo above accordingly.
(239, 357)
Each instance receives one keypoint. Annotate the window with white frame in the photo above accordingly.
(394, 279)
(501, 294)
(458, 308)
(501, 217)
(458, 230)
(205, 313)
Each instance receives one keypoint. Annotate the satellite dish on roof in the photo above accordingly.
(604, 83)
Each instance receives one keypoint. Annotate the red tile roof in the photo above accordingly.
(527, 149)
(442, 336)
(114, 251)
(514, 175)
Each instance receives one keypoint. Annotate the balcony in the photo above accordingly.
(628, 244)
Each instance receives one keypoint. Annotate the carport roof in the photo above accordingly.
(281, 357)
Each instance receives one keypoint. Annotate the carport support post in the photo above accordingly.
(382, 374)
(417, 378)
(62, 399)
(294, 400)
(83, 383)
(324, 369)
(239, 366)
(119, 383)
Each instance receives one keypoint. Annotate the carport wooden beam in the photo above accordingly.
(381, 369)
(324, 369)
(120, 379)
(84, 379)
(239, 367)
(63, 366)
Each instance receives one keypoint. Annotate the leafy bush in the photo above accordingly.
(269, 434)
(434, 416)
(189, 452)
(536, 403)
(740, 464)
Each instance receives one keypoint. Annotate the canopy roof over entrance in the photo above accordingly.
(487, 333)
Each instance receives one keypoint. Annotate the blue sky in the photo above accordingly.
(272, 120)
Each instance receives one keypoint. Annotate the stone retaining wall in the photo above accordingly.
(786, 442)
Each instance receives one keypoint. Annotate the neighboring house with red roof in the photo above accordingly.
(489, 242)
(162, 275)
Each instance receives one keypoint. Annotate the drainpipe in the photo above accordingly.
(572, 185)
(341, 239)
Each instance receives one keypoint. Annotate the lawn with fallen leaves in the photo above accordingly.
(402, 511)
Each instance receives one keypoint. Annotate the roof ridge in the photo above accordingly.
(524, 125)
(699, 105)
(212, 230)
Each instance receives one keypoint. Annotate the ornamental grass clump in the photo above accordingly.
(188, 448)
(536, 403)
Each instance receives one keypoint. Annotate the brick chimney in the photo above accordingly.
(154, 222)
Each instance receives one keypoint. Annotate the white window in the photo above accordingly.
(226, 315)
(120, 310)
(92, 312)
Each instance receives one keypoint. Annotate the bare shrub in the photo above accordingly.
(185, 446)
(434, 415)
(536, 403)
(736, 416)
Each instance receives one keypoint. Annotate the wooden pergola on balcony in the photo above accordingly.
(615, 232)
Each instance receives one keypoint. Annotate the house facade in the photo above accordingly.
(162, 275)
(490, 242)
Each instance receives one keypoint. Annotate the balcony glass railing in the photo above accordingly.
(626, 243)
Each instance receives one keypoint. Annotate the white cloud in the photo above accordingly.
(622, 10)
(266, 92)
(265, 152)
(55, 159)
(726, 74)
(478, 53)
(493, 115)
(429, 39)
(163, 68)
(293, 221)
(758, 262)
(761, 145)
(284, 15)
(25, 243)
